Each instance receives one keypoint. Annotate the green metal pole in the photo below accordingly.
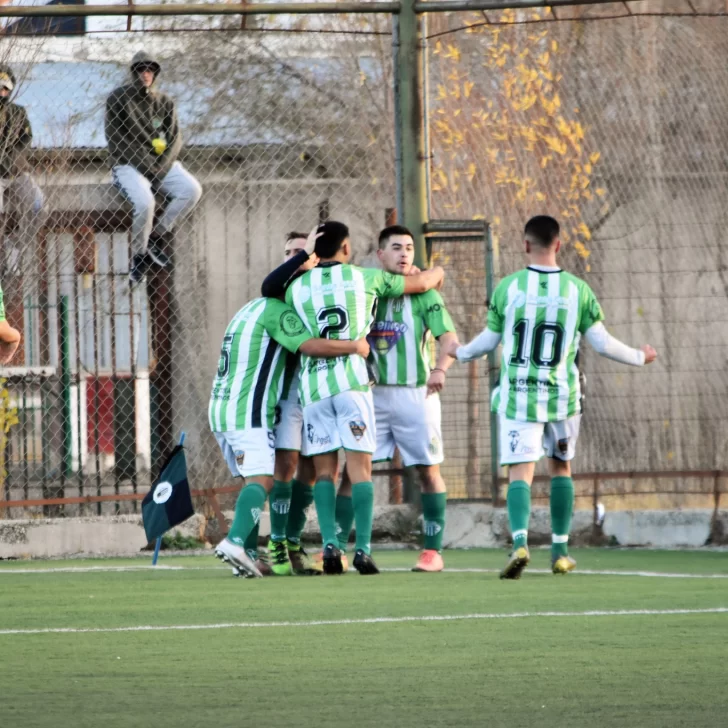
(411, 157)
(490, 263)
(66, 385)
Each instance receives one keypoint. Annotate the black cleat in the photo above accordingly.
(156, 248)
(332, 560)
(364, 563)
(138, 268)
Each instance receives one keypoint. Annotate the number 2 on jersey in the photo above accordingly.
(335, 319)
(546, 347)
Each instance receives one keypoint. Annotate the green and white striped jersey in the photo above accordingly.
(541, 315)
(291, 375)
(401, 338)
(336, 301)
(249, 377)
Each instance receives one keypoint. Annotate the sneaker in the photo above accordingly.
(279, 563)
(235, 555)
(364, 563)
(563, 565)
(155, 249)
(430, 560)
(317, 563)
(301, 563)
(138, 268)
(517, 562)
(331, 559)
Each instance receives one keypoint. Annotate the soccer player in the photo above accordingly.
(336, 300)
(540, 314)
(406, 399)
(242, 406)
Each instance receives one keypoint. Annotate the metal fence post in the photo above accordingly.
(411, 154)
(490, 261)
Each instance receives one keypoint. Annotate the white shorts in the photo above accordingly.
(289, 427)
(528, 442)
(248, 452)
(343, 420)
(410, 420)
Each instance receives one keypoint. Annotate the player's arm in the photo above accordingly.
(276, 282)
(448, 342)
(9, 342)
(424, 281)
(607, 346)
(592, 327)
(438, 321)
(334, 347)
(488, 339)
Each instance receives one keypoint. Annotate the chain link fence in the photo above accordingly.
(614, 126)
(280, 124)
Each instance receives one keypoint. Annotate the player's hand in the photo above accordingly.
(650, 353)
(414, 270)
(450, 348)
(436, 382)
(7, 351)
(362, 348)
(313, 236)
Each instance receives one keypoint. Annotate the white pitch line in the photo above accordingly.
(371, 620)
(149, 567)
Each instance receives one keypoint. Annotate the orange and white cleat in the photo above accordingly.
(430, 560)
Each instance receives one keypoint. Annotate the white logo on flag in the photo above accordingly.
(162, 493)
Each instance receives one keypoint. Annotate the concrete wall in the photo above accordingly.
(468, 526)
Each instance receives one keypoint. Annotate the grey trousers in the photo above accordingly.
(179, 186)
(23, 198)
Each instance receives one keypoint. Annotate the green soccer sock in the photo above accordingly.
(362, 498)
(519, 511)
(280, 504)
(562, 507)
(301, 499)
(344, 519)
(251, 542)
(433, 517)
(247, 512)
(324, 495)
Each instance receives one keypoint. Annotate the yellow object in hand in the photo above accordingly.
(159, 146)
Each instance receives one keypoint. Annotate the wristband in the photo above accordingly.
(437, 369)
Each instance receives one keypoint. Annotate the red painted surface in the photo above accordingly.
(100, 414)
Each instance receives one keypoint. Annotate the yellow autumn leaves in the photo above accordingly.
(500, 117)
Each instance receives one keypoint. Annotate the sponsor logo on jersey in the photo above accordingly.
(434, 308)
(291, 325)
(384, 335)
(358, 428)
(398, 305)
(532, 384)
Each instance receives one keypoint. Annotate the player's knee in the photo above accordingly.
(286, 463)
(431, 479)
(560, 468)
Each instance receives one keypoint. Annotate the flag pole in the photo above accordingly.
(158, 543)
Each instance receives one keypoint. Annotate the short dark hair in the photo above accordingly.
(542, 230)
(390, 231)
(293, 235)
(330, 242)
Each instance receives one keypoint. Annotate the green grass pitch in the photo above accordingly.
(497, 655)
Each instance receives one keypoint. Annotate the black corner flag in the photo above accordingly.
(169, 502)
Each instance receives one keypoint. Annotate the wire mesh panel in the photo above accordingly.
(187, 139)
(614, 126)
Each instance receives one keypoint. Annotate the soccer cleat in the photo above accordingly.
(517, 562)
(301, 563)
(364, 563)
(331, 559)
(155, 249)
(279, 563)
(563, 565)
(430, 560)
(138, 268)
(261, 561)
(235, 555)
(317, 563)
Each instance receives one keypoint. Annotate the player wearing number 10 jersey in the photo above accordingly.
(336, 300)
(540, 313)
